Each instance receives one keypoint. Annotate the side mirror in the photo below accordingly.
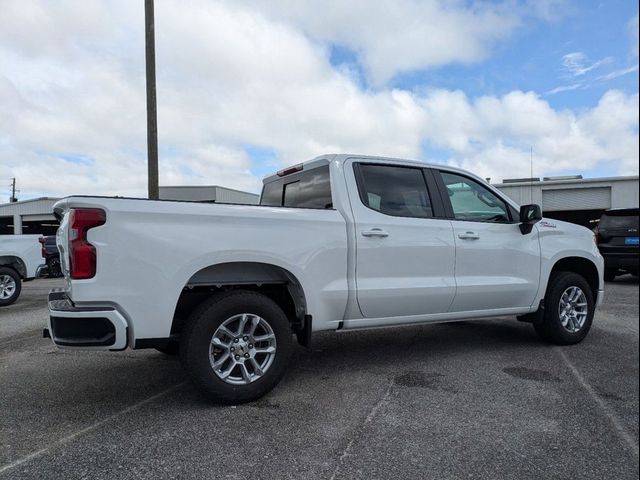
(529, 215)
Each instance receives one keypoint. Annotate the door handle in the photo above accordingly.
(469, 236)
(375, 232)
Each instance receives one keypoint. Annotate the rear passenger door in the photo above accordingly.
(405, 251)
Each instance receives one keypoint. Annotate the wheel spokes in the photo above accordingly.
(256, 368)
(264, 338)
(242, 349)
(218, 363)
(241, 324)
(255, 321)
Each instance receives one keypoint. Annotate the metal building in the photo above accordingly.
(33, 216)
(574, 199)
(209, 193)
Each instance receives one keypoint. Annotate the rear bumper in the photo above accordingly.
(87, 328)
(42, 271)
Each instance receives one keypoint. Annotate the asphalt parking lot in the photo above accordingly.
(467, 400)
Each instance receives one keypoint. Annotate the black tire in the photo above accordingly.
(171, 348)
(610, 274)
(202, 324)
(550, 328)
(55, 270)
(10, 272)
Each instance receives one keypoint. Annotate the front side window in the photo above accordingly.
(472, 201)
(395, 191)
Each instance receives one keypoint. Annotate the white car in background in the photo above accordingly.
(20, 260)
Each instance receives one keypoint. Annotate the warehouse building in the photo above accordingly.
(35, 216)
(209, 194)
(574, 199)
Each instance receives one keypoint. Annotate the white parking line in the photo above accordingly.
(611, 416)
(73, 436)
(372, 413)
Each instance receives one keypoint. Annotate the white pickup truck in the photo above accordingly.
(20, 260)
(340, 242)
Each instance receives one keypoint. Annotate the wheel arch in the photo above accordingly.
(15, 263)
(583, 267)
(274, 281)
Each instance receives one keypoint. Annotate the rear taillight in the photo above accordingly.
(43, 249)
(82, 255)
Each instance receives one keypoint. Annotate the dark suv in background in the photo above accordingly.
(51, 255)
(617, 237)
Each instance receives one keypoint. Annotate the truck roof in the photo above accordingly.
(342, 157)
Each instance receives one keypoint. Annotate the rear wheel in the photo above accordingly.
(569, 309)
(236, 346)
(10, 286)
(55, 271)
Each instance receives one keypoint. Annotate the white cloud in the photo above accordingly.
(577, 63)
(395, 36)
(564, 88)
(618, 73)
(231, 76)
(499, 133)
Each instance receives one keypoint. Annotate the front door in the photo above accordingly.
(496, 265)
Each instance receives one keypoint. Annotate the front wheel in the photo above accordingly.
(236, 346)
(10, 286)
(568, 309)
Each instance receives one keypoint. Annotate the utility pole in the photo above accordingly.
(13, 198)
(531, 177)
(152, 114)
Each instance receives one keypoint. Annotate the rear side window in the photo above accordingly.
(395, 191)
(272, 194)
(310, 189)
(620, 219)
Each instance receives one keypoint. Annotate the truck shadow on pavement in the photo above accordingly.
(406, 356)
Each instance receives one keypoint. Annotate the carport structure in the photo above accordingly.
(34, 216)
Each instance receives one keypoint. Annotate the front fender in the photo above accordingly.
(558, 241)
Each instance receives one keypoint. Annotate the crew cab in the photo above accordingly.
(20, 260)
(340, 242)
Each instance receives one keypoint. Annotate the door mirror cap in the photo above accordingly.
(529, 215)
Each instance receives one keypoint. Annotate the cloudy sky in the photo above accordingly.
(247, 86)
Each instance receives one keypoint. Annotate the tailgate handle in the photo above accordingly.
(375, 232)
